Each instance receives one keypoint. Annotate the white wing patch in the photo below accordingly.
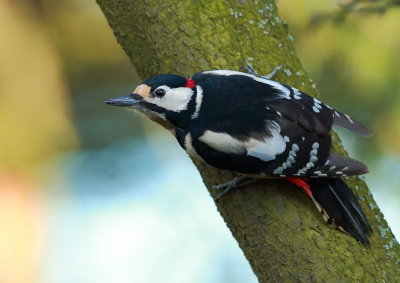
(284, 92)
(268, 149)
(265, 150)
(223, 142)
(176, 99)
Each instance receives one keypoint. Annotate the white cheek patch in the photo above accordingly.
(176, 99)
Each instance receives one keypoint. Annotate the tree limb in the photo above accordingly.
(275, 223)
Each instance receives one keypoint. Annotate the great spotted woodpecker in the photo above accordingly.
(258, 128)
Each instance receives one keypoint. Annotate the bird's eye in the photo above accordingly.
(160, 92)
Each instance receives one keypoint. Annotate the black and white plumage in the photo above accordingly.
(259, 128)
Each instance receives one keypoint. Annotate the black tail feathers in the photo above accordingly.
(339, 207)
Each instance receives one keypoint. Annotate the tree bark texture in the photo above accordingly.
(275, 223)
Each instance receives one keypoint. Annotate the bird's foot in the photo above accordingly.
(270, 75)
(237, 182)
(250, 70)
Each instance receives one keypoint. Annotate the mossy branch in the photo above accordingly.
(275, 223)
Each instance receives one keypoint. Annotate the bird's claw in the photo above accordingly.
(273, 73)
(237, 182)
(250, 70)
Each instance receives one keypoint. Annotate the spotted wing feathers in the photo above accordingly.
(344, 121)
(259, 126)
(309, 113)
(337, 166)
(314, 116)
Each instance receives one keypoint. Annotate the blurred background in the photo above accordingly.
(76, 204)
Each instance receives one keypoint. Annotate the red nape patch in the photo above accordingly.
(190, 83)
(301, 182)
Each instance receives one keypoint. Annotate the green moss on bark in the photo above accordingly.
(276, 225)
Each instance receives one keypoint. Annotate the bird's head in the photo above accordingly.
(165, 99)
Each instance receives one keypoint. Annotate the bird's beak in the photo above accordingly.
(125, 101)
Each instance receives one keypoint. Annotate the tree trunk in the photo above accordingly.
(275, 223)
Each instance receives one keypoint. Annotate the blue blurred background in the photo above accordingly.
(76, 201)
